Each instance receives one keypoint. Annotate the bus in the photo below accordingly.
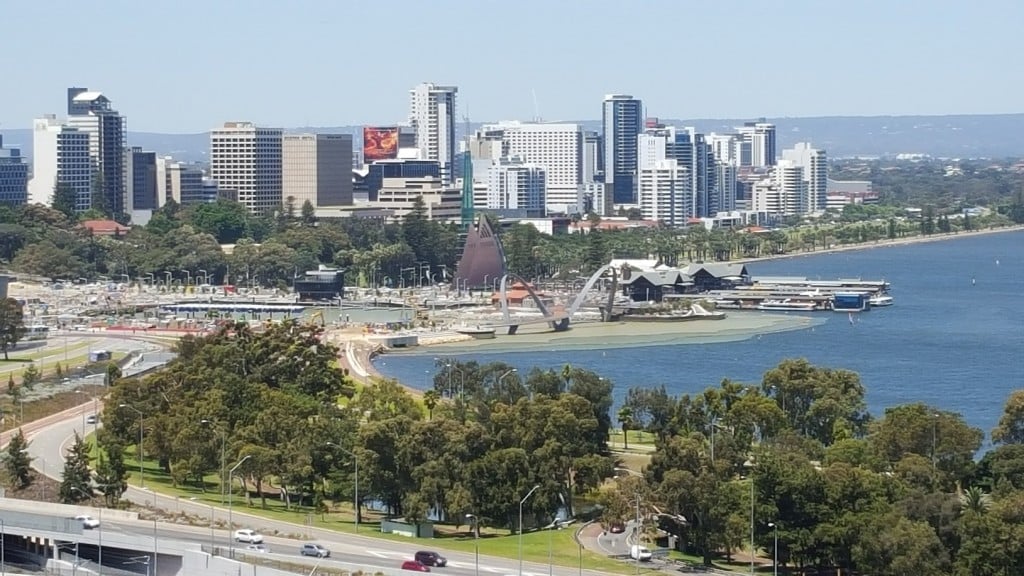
(36, 332)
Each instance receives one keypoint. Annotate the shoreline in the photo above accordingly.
(884, 243)
(358, 352)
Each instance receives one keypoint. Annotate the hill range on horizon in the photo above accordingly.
(953, 136)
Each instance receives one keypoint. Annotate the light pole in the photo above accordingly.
(521, 502)
(188, 277)
(223, 443)
(775, 552)
(231, 493)
(139, 455)
(551, 544)
(355, 462)
(3, 551)
(637, 528)
(212, 543)
(500, 378)
(476, 540)
(935, 421)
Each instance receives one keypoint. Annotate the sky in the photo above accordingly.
(185, 66)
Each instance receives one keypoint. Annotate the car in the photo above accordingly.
(415, 566)
(617, 528)
(310, 549)
(88, 522)
(641, 553)
(428, 558)
(247, 535)
(257, 548)
(91, 419)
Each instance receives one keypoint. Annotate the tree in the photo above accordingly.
(625, 417)
(1011, 425)
(76, 484)
(30, 376)
(111, 471)
(100, 202)
(17, 461)
(65, 199)
(12, 324)
(308, 213)
(430, 400)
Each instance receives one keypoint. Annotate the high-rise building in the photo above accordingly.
(13, 175)
(91, 112)
(687, 147)
(182, 183)
(317, 168)
(514, 184)
(759, 137)
(724, 147)
(140, 177)
(60, 156)
(664, 194)
(432, 116)
(622, 119)
(723, 194)
(593, 165)
(558, 148)
(374, 175)
(246, 159)
(815, 172)
(783, 194)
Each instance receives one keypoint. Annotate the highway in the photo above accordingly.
(49, 443)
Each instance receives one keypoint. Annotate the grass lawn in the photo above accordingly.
(636, 437)
(493, 542)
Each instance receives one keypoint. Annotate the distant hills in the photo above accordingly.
(960, 136)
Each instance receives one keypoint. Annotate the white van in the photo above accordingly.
(641, 553)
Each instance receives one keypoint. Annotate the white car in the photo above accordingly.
(257, 548)
(247, 535)
(87, 521)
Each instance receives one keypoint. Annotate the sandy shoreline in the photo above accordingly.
(358, 351)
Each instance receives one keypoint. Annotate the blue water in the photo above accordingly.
(946, 341)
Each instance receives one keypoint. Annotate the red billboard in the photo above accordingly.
(380, 143)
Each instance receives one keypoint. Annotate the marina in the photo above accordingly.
(797, 294)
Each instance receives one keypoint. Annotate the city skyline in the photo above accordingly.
(886, 59)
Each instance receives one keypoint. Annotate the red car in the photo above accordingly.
(415, 566)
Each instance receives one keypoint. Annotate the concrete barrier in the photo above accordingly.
(65, 510)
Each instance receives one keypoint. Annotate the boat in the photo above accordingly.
(477, 332)
(786, 305)
(674, 316)
(880, 300)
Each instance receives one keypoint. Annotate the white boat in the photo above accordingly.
(880, 300)
(786, 305)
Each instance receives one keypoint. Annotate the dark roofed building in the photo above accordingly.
(717, 275)
(322, 284)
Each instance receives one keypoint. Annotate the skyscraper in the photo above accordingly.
(60, 156)
(514, 184)
(91, 112)
(760, 138)
(815, 173)
(663, 192)
(140, 177)
(317, 168)
(432, 116)
(13, 176)
(687, 147)
(622, 120)
(246, 160)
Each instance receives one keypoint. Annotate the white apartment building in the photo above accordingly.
(514, 184)
(60, 154)
(246, 159)
(432, 117)
(315, 168)
(759, 137)
(783, 194)
(397, 197)
(558, 148)
(664, 193)
(815, 166)
(723, 196)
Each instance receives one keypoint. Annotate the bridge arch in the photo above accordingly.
(590, 284)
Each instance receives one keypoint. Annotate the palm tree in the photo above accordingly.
(625, 417)
(430, 400)
(975, 500)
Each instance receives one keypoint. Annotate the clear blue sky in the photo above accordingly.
(188, 65)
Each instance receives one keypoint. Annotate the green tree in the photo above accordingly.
(625, 418)
(1011, 425)
(430, 400)
(12, 324)
(225, 220)
(30, 376)
(65, 199)
(308, 213)
(76, 484)
(17, 461)
(111, 471)
(100, 202)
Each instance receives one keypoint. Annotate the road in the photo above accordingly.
(48, 445)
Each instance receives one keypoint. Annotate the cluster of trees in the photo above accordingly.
(276, 400)
(900, 494)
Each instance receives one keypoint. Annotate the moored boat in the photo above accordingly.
(880, 300)
(786, 305)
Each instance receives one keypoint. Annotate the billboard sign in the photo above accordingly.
(380, 143)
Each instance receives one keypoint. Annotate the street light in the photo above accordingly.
(476, 540)
(521, 502)
(223, 442)
(231, 493)
(139, 455)
(355, 462)
(188, 276)
(3, 559)
(500, 378)
(775, 553)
